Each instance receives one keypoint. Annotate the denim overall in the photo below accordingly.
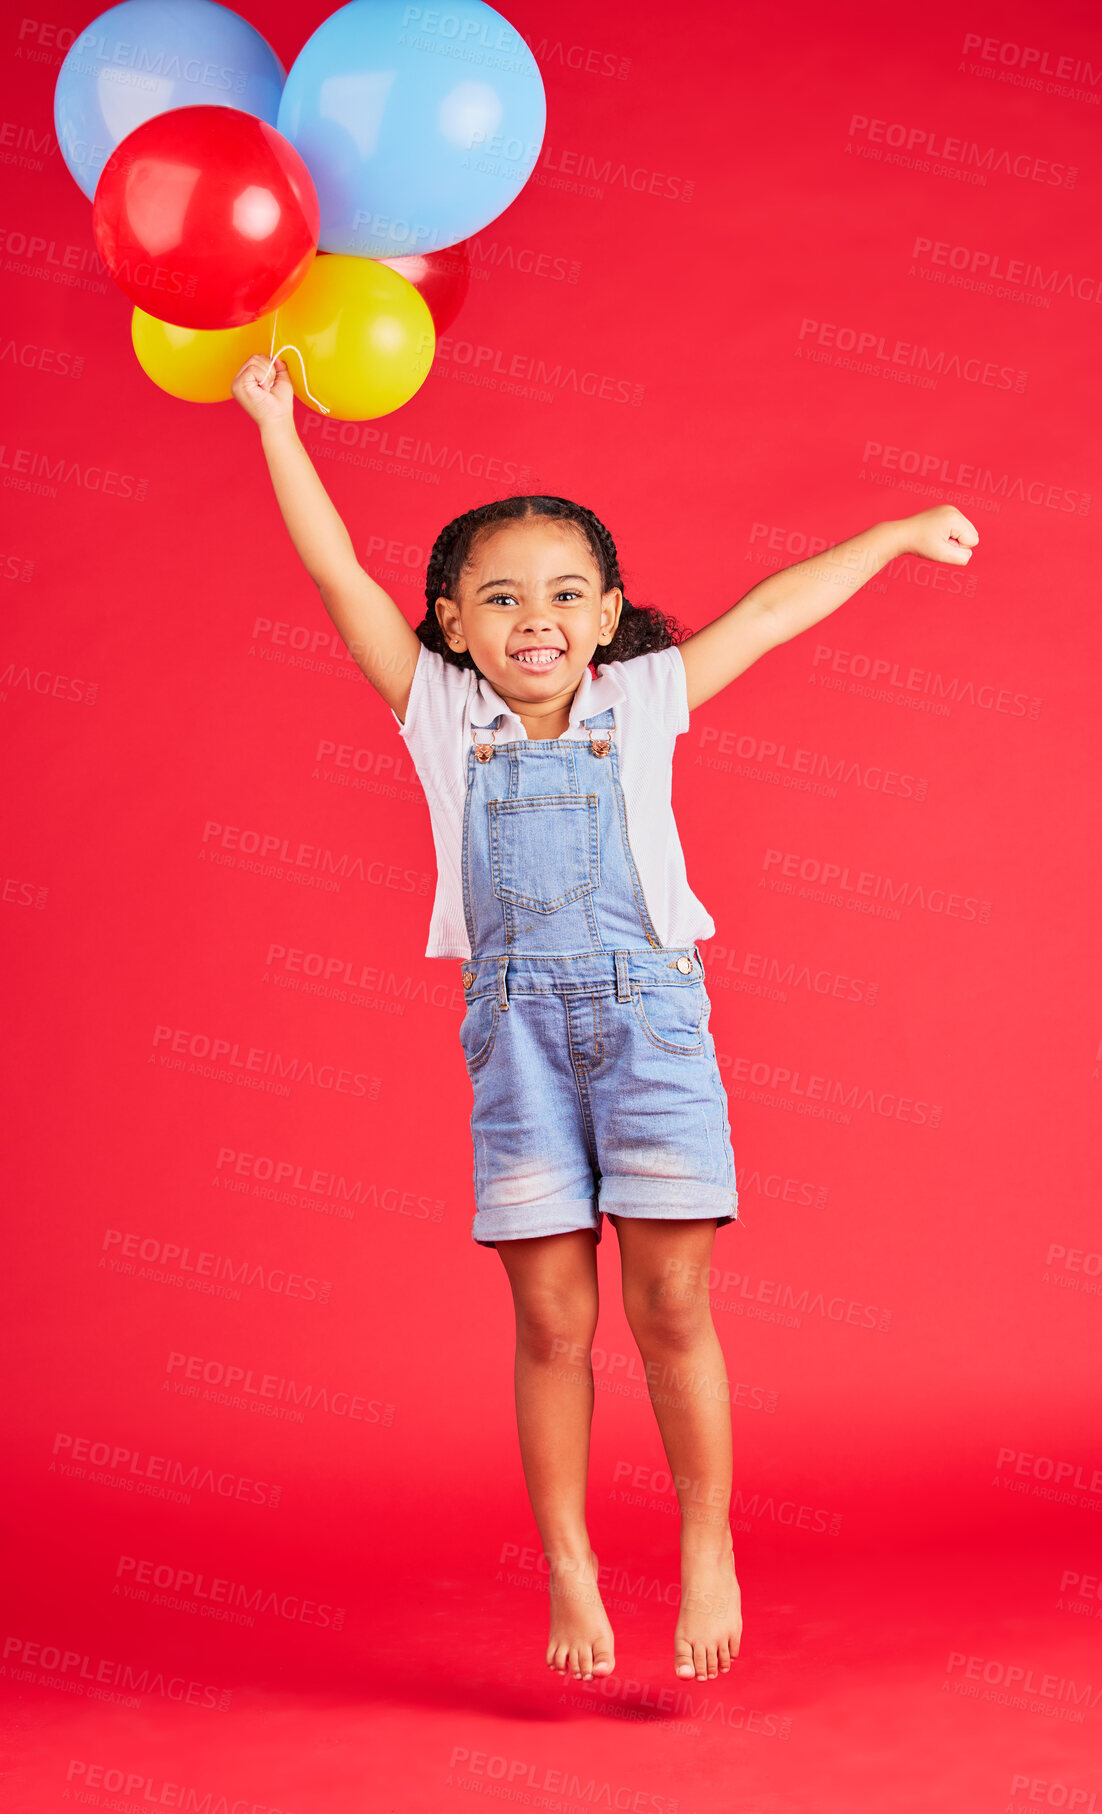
(595, 1079)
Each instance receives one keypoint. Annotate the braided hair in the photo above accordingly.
(640, 629)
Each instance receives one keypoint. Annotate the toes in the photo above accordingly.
(713, 1662)
(723, 1655)
(683, 1657)
(582, 1659)
(603, 1660)
(700, 1662)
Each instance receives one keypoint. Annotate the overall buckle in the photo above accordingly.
(483, 750)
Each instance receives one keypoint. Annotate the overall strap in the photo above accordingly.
(600, 727)
(483, 737)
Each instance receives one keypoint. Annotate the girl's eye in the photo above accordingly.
(507, 598)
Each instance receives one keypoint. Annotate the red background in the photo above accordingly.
(910, 1302)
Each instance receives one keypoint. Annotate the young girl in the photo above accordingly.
(541, 711)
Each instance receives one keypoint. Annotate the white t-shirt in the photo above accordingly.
(650, 711)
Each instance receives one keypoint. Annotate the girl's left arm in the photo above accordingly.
(779, 607)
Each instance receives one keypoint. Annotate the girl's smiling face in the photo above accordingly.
(530, 613)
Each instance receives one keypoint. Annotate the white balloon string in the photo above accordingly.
(290, 348)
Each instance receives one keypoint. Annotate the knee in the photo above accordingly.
(552, 1327)
(664, 1318)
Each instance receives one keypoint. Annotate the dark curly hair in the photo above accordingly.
(641, 628)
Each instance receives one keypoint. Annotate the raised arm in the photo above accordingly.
(379, 639)
(778, 608)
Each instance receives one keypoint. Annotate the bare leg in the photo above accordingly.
(670, 1315)
(554, 1284)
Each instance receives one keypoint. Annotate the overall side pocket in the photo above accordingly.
(672, 1017)
(478, 1030)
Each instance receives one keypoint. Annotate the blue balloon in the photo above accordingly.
(147, 57)
(419, 124)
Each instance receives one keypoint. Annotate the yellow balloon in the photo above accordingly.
(365, 335)
(197, 364)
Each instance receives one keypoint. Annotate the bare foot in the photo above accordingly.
(709, 1625)
(581, 1641)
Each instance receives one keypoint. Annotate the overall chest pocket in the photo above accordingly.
(544, 850)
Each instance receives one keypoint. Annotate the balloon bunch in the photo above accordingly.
(234, 202)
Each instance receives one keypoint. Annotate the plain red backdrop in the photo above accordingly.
(789, 272)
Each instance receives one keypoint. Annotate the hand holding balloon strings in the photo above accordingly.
(289, 348)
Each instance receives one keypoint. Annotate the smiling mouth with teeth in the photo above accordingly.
(537, 658)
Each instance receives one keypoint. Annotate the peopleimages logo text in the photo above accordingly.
(875, 886)
(984, 160)
(80, 1671)
(971, 477)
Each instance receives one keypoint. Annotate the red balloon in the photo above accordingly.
(442, 278)
(206, 217)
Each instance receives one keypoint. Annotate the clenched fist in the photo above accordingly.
(941, 534)
(266, 397)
